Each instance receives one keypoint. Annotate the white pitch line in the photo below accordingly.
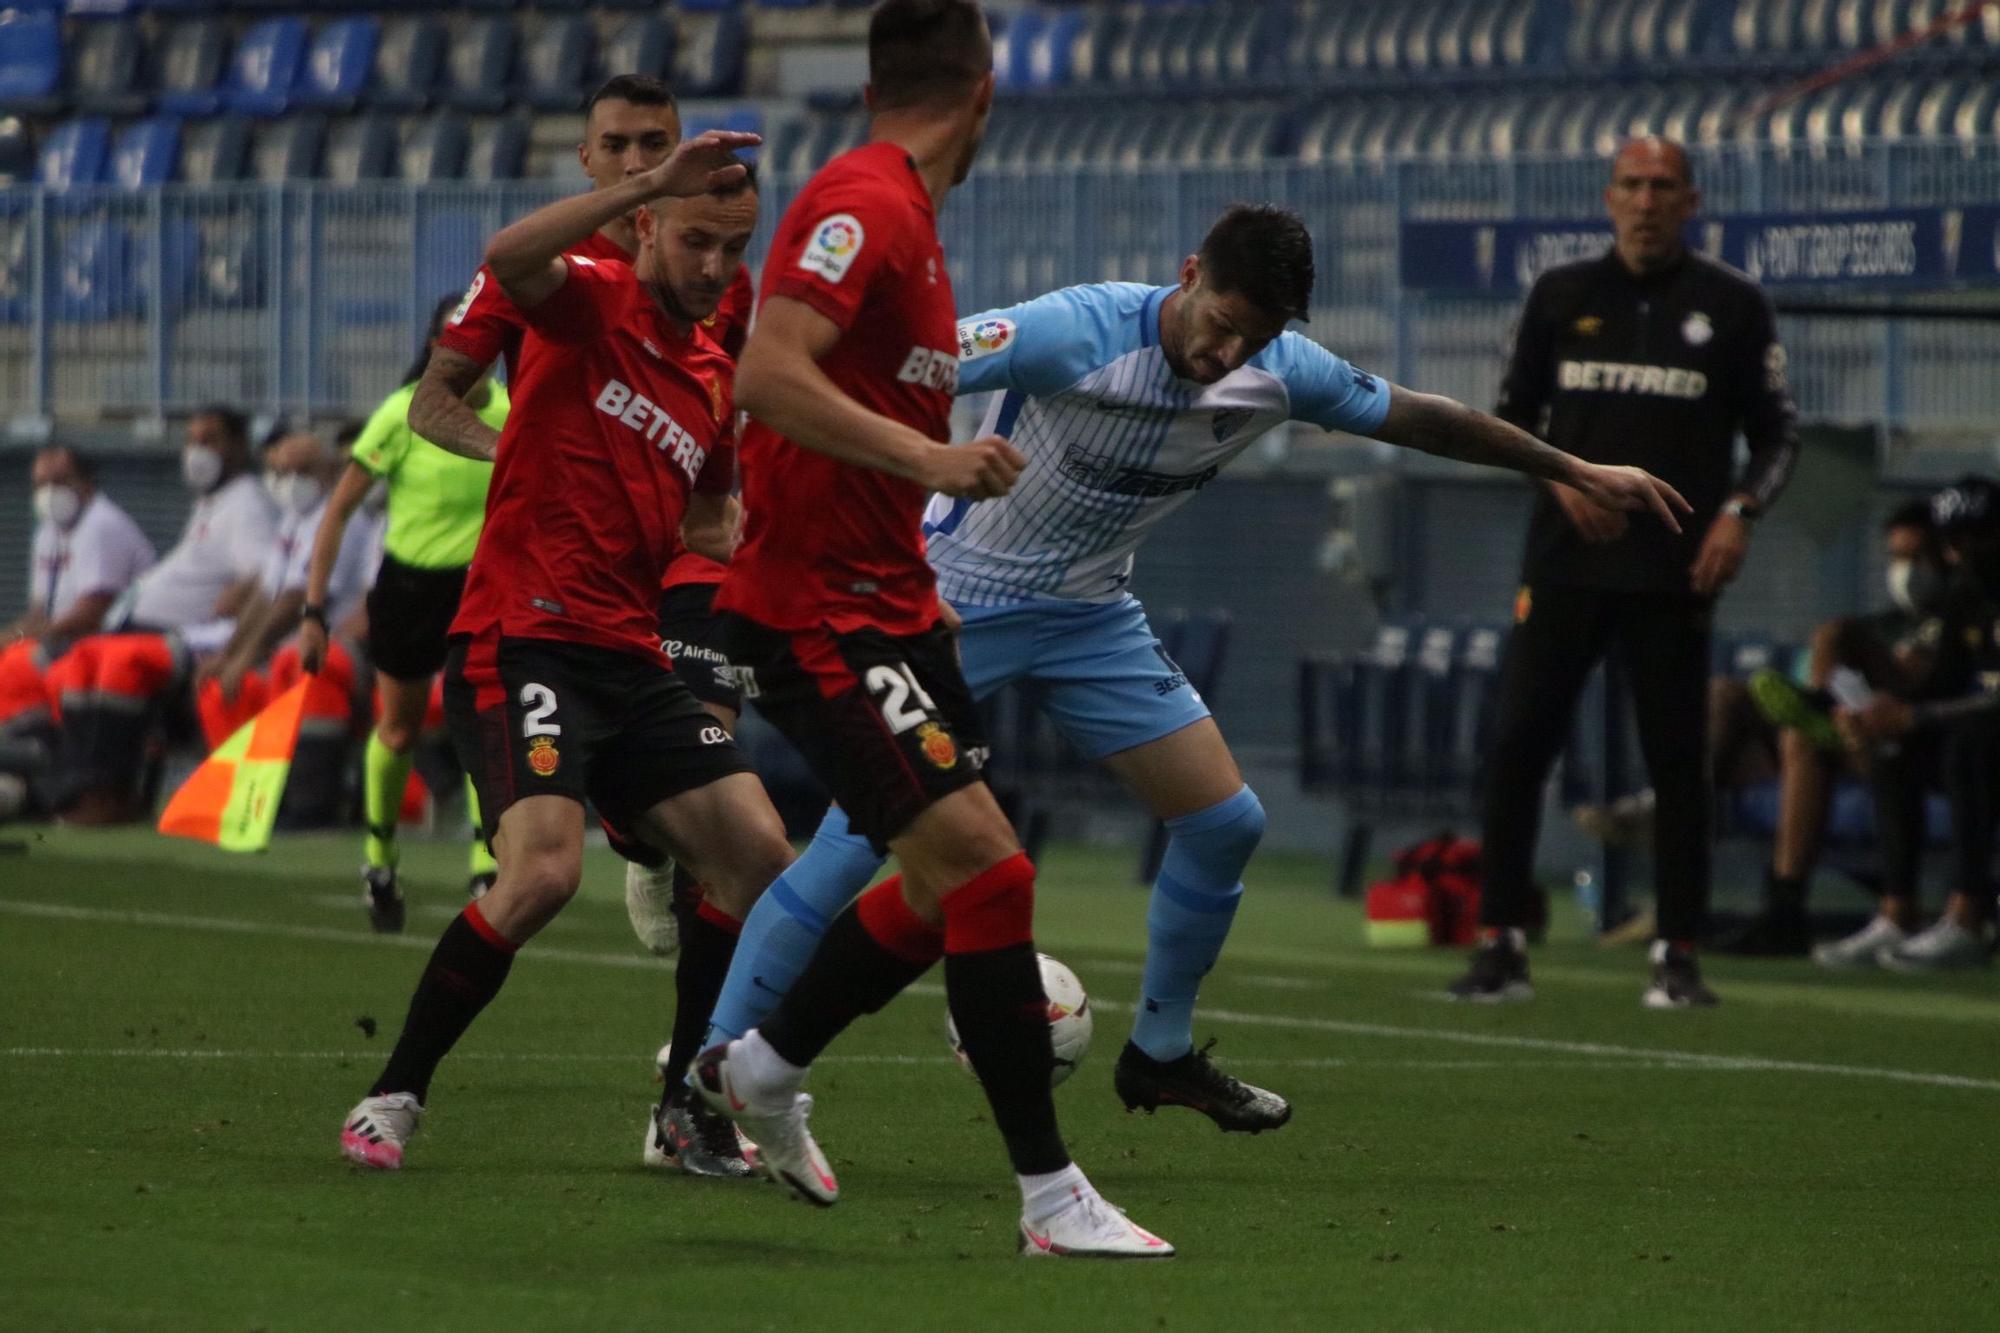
(1283, 1022)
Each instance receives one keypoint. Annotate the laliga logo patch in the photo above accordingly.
(937, 745)
(984, 338)
(543, 757)
(1697, 330)
(834, 244)
(471, 295)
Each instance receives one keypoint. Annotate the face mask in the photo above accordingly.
(295, 492)
(1914, 585)
(201, 468)
(57, 504)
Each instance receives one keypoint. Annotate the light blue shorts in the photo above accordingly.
(1095, 668)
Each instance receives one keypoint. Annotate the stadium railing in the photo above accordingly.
(304, 298)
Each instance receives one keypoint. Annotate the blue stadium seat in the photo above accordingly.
(105, 61)
(409, 58)
(17, 152)
(1897, 117)
(555, 63)
(739, 120)
(479, 69)
(94, 9)
(74, 153)
(189, 65)
(1530, 34)
(1977, 119)
(1386, 37)
(170, 276)
(146, 152)
(93, 273)
(433, 148)
(1817, 30)
(709, 62)
(265, 70)
(1484, 37)
(1011, 50)
(1052, 53)
(643, 44)
(30, 60)
(1248, 46)
(1451, 39)
(287, 149)
(337, 65)
(498, 150)
(1090, 51)
(215, 151)
(359, 148)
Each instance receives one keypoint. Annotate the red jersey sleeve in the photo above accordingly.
(842, 248)
(485, 325)
(596, 296)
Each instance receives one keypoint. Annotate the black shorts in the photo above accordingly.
(691, 639)
(885, 721)
(409, 618)
(535, 717)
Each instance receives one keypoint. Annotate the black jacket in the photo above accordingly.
(1661, 372)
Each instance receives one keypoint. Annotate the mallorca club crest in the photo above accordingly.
(937, 745)
(543, 757)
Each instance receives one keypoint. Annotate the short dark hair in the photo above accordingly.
(926, 50)
(83, 464)
(1263, 253)
(1910, 514)
(748, 181)
(638, 89)
(234, 424)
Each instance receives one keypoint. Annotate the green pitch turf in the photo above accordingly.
(182, 1031)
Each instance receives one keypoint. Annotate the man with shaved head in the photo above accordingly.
(1656, 357)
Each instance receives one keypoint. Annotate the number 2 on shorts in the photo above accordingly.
(893, 688)
(540, 701)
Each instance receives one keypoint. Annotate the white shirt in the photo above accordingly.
(290, 561)
(228, 537)
(102, 552)
(1115, 441)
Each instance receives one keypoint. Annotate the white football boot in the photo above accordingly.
(1091, 1228)
(1860, 948)
(649, 903)
(775, 1121)
(377, 1129)
(1945, 945)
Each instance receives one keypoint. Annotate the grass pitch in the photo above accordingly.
(181, 1032)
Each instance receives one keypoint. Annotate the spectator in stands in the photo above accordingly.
(1655, 356)
(108, 686)
(299, 474)
(1951, 734)
(86, 552)
(1851, 656)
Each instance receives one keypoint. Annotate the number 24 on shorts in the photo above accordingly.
(894, 687)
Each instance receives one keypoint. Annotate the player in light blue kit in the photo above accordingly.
(1126, 400)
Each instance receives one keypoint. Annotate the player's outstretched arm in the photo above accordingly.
(779, 382)
(526, 256)
(439, 412)
(1448, 428)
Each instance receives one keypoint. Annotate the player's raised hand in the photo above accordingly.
(703, 163)
(982, 469)
(1630, 488)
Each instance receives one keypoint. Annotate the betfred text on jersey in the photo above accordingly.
(1625, 377)
(641, 414)
(931, 368)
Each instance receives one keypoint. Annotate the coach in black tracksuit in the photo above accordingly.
(1656, 357)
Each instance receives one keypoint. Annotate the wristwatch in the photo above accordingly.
(1738, 507)
(317, 614)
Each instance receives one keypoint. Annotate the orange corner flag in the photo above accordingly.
(232, 799)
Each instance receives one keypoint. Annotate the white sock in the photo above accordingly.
(1043, 1196)
(761, 1072)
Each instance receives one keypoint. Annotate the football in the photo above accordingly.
(1069, 1021)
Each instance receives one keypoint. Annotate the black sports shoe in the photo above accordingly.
(687, 1135)
(383, 898)
(1193, 1081)
(1499, 973)
(1772, 933)
(1677, 982)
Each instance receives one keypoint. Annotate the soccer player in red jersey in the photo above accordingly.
(556, 690)
(835, 628)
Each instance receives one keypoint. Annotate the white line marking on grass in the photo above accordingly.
(1282, 1022)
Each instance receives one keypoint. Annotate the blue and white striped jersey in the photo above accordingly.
(1115, 441)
